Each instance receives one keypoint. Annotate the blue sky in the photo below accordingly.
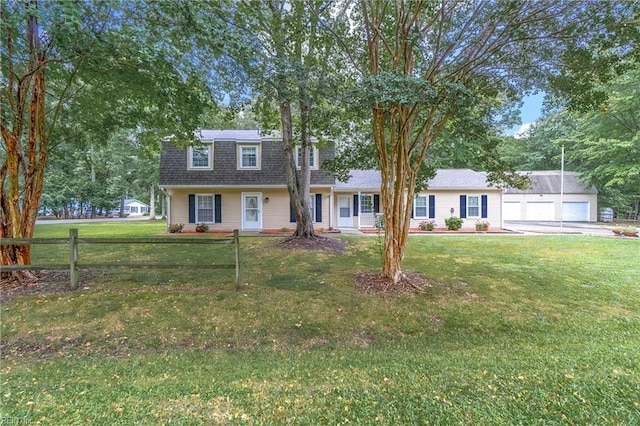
(530, 112)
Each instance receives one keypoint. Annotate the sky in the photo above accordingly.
(529, 113)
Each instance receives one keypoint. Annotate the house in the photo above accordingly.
(236, 180)
(457, 192)
(132, 207)
(554, 195)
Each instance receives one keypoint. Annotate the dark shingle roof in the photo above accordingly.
(174, 172)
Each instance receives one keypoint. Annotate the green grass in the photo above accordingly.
(514, 330)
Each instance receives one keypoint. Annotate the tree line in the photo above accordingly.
(92, 89)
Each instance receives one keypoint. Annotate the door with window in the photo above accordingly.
(252, 211)
(344, 211)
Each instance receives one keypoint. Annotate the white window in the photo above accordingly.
(366, 203)
(473, 206)
(200, 157)
(249, 156)
(134, 209)
(313, 157)
(204, 208)
(420, 206)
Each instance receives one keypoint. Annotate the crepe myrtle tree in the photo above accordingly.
(79, 66)
(428, 64)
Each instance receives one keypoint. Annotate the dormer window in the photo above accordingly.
(313, 157)
(201, 156)
(249, 156)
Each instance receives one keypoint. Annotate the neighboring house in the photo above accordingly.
(456, 192)
(552, 194)
(132, 207)
(236, 180)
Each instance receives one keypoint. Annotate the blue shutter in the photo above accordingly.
(218, 208)
(376, 203)
(318, 207)
(292, 214)
(484, 206)
(432, 206)
(355, 204)
(192, 208)
(463, 206)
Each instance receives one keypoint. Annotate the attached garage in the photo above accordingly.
(511, 210)
(575, 211)
(540, 210)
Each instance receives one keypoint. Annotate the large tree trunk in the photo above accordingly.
(24, 165)
(298, 189)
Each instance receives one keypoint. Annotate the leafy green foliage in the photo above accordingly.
(453, 223)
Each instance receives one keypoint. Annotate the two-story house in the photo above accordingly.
(236, 180)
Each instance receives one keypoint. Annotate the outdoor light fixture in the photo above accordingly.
(266, 200)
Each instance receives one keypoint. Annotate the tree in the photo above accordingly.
(80, 66)
(288, 63)
(431, 64)
(605, 145)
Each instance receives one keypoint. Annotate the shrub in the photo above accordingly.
(482, 225)
(427, 225)
(176, 228)
(202, 227)
(453, 223)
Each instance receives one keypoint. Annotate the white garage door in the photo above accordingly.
(511, 210)
(575, 211)
(540, 210)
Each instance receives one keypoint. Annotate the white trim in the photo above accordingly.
(213, 207)
(190, 166)
(316, 154)
(258, 147)
(258, 196)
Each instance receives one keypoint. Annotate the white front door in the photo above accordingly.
(344, 211)
(252, 211)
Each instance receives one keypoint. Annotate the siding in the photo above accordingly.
(275, 213)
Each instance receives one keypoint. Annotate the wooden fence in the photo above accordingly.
(74, 240)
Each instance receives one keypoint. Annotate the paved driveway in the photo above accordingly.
(583, 228)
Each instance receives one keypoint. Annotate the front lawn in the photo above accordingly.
(512, 330)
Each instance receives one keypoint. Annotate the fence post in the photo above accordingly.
(236, 243)
(73, 258)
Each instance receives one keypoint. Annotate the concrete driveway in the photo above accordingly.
(581, 228)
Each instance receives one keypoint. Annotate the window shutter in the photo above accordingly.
(355, 204)
(192, 208)
(292, 214)
(376, 203)
(463, 206)
(218, 208)
(432, 206)
(484, 207)
(318, 207)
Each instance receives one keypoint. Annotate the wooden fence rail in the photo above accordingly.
(74, 240)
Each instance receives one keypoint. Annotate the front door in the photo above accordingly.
(251, 211)
(344, 211)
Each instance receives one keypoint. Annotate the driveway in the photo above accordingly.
(583, 228)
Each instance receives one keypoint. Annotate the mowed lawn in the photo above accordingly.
(513, 330)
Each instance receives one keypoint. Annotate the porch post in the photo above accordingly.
(359, 209)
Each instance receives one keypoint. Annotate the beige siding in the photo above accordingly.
(445, 201)
(275, 212)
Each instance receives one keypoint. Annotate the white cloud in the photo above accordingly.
(523, 131)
